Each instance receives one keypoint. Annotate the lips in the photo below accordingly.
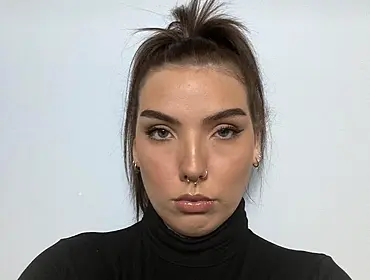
(194, 204)
(193, 198)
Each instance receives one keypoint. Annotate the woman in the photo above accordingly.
(195, 132)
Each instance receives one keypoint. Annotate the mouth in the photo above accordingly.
(194, 204)
(193, 198)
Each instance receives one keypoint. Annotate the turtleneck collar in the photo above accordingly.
(222, 244)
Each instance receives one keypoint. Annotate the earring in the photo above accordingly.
(257, 163)
(136, 167)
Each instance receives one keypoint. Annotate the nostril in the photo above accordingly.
(186, 179)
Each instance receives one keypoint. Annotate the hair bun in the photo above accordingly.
(195, 21)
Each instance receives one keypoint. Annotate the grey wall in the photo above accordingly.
(63, 68)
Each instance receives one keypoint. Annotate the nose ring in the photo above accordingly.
(200, 178)
(203, 177)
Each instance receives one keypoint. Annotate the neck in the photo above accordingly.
(223, 243)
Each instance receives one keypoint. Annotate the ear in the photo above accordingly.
(257, 147)
(134, 151)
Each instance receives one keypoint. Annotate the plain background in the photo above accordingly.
(63, 72)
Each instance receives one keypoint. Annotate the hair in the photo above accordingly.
(198, 35)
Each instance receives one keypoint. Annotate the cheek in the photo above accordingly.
(233, 166)
(158, 168)
(234, 172)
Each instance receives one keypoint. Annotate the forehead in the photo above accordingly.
(192, 90)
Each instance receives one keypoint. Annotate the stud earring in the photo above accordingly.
(136, 167)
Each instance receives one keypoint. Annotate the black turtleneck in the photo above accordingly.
(217, 248)
(150, 250)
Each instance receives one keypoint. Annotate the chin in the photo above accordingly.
(194, 226)
(193, 232)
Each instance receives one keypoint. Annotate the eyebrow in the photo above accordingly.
(234, 112)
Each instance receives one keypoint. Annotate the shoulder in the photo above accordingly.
(112, 242)
(285, 263)
(95, 254)
(328, 270)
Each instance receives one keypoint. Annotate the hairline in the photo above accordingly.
(227, 68)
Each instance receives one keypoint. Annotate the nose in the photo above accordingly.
(193, 161)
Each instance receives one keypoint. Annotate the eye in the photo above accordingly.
(227, 132)
(159, 134)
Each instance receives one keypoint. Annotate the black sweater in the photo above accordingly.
(149, 250)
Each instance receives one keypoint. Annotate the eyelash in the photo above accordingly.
(149, 132)
(235, 132)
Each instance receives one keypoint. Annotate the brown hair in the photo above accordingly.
(198, 35)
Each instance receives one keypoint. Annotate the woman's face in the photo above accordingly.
(193, 120)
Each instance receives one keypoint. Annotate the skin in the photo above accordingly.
(169, 152)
